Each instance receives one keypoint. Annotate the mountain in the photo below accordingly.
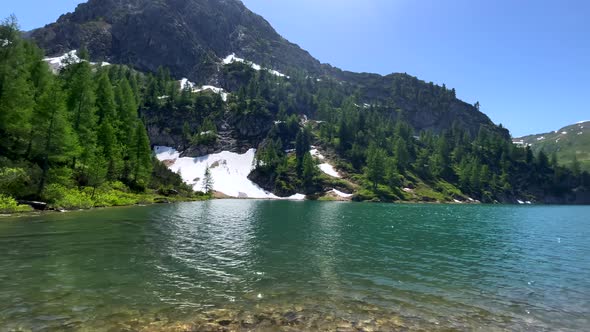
(231, 106)
(567, 142)
(186, 36)
(192, 37)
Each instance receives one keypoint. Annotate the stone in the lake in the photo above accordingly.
(34, 204)
(224, 322)
(291, 318)
(161, 200)
(248, 321)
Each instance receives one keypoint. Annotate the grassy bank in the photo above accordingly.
(112, 194)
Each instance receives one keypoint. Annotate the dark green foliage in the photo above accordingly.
(376, 166)
(140, 158)
(64, 133)
(309, 172)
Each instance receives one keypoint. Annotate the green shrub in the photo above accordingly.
(364, 195)
(10, 205)
(427, 194)
(60, 197)
(112, 194)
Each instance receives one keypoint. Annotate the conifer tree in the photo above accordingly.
(126, 111)
(308, 171)
(140, 156)
(375, 165)
(110, 150)
(208, 181)
(82, 108)
(55, 141)
(16, 91)
(105, 99)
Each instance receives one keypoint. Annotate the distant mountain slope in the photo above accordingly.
(192, 37)
(567, 142)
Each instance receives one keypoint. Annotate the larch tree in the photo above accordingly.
(105, 99)
(208, 181)
(82, 109)
(140, 156)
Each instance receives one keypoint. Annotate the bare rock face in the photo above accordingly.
(187, 36)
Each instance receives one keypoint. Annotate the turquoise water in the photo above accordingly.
(273, 265)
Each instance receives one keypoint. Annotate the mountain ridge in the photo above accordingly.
(179, 35)
(566, 142)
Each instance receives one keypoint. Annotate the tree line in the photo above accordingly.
(79, 128)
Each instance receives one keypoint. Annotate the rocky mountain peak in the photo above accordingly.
(187, 36)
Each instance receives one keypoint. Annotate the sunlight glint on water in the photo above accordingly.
(312, 265)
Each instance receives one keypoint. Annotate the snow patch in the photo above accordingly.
(520, 202)
(296, 197)
(564, 132)
(582, 121)
(316, 153)
(229, 171)
(340, 193)
(329, 169)
(541, 138)
(186, 84)
(233, 58)
(216, 90)
(580, 133)
(60, 62)
(324, 167)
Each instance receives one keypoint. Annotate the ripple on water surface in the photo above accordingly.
(265, 265)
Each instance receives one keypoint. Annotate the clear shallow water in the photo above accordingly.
(273, 265)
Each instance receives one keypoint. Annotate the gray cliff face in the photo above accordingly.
(187, 36)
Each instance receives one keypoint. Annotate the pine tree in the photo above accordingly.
(401, 154)
(105, 99)
(301, 148)
(208, 181)
(81, 105)
(308, 171)
(55, 141)
(375, 165)
(140, 156)
(97, 170)
(110, 150)
(16, 91)
(126, 110)
(392, 174)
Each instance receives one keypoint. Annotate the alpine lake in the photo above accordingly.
(260, 265)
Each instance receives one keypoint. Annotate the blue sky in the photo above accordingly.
(527, 62)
